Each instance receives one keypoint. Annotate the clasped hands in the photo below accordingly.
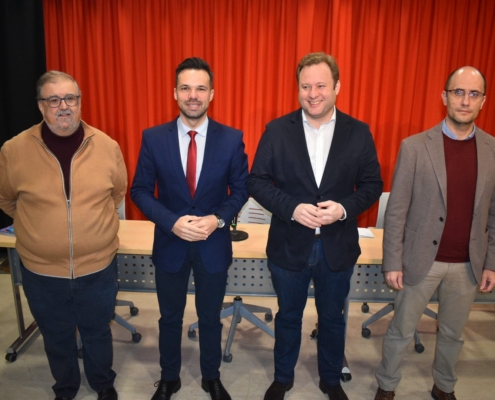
(193, 228)
(324, 213)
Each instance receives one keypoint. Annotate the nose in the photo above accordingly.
(63, 104)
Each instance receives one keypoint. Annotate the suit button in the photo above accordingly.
(193, 207)
(441, 219)
(319, 197)
(435, 242)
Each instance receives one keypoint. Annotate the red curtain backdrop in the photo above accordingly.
(394, 57)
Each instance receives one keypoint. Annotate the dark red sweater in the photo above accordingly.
(461, 162)
(63, 147)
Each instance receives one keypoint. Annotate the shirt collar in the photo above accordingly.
(447, 132)
(184, 129)
(334, 118)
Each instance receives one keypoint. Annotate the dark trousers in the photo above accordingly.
(171, 289)
(61, 305)
(331, 289)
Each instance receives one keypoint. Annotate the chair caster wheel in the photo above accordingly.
(365, 332)
(365, 308)
(136, 337)
(419, 348)
(11, 357)
(227, 358)
(191, 334)
(134, 311)
(314, 334)
(268, 317)
(345, 377)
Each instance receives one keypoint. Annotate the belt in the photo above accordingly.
(317, 236)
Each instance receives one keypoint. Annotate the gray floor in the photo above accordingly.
(251, 370)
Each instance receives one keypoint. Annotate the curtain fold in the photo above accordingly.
(394, 57)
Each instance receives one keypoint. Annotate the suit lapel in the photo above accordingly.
(484, 157)
(295, 132)
(338, 146)
(436, 152)
(211, 145)
(172, 144)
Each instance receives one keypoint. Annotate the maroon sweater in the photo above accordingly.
(63, 147)
(461, 162)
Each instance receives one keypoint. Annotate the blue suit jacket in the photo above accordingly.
(224, 167)
(282, 177)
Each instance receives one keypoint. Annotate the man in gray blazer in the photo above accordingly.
(440, 231)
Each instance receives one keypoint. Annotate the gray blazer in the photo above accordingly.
(416, 210)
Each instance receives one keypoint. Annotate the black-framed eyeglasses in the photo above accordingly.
(54, 101)
(474, 94)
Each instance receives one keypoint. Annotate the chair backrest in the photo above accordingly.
(382, 206)
(253, 213)
(121, 209)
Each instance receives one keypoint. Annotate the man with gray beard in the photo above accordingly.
(61, 181)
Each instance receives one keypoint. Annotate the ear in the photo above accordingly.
(337, 87)
(444, 98)
(40, 107)
(212, 92)
(175, 93)
(483, 102)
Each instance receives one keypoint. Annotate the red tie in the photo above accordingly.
(191, 164)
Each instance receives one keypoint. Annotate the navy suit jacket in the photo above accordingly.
(224, 167)
(282, 177)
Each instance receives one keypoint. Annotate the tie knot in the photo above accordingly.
(192, 134)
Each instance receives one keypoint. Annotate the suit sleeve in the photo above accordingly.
(143, 190)
(261, 181)
(368, 182)
(397, 209)
(490, 254)
(8, 195)
(238, 174)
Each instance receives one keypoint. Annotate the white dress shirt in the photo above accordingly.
(184, 140)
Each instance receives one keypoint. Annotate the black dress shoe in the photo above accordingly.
(215, 388)
(63, 398)
(277, 390)
(166, 389)
(108, 394)
(334, 392)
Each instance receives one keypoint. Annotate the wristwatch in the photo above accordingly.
(221, 222)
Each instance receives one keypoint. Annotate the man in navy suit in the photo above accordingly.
(200, 169)
(316, 170)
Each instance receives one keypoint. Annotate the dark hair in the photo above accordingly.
(447, 83)
(194, 63)
(52, 77)
(317, 58)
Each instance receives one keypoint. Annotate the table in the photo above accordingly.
(248, 274)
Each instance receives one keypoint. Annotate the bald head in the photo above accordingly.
(465, 71)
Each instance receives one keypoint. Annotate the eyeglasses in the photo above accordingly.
(54, 101)
(474, 94)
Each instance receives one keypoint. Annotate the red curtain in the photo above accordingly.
(394, 57)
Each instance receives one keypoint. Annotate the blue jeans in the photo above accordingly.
(171, 289)
(331, 290)
(61, 305)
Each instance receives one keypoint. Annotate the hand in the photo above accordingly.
(189, 228)
(394, 279)
(208, 223)
(329, 212)
(487, 281)
(307, 215)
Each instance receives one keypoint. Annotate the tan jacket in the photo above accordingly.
(57, 237)
(416, 209)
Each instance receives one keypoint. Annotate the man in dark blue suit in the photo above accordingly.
(194, 161)
(316, 170)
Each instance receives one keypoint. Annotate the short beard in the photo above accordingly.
(63, 131)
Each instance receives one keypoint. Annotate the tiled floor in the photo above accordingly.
(251, 370)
